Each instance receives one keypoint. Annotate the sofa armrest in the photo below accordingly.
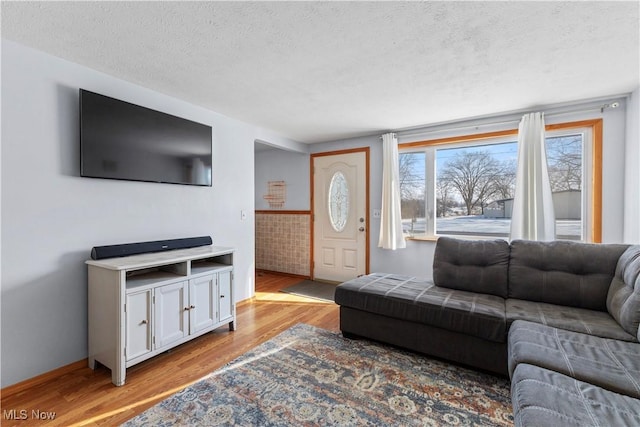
(623, 299)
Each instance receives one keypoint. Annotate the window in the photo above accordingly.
(465, 186)
(338, 201)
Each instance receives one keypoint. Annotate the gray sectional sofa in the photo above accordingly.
(560, 318)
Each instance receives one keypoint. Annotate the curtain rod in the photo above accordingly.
(444, 128)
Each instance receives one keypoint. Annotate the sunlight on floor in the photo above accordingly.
(262, 355)
(158, 397)
(285, 297)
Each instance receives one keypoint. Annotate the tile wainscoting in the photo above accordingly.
(283, 241)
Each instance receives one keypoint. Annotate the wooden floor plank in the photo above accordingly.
(80, 396)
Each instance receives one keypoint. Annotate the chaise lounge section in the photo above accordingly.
(561, 377)
(549, 314)
(413, 313)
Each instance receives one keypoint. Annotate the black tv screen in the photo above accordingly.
(119, 140)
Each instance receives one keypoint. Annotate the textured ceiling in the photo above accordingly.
(319, 71)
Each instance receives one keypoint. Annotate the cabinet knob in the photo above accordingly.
(193, 306)
(221, 296)
(187, 309)
(144, 322)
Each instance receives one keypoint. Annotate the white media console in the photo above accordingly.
(143, 305)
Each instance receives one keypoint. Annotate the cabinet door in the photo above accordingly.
(225, 295)
(202, 298)
(171, 313)
(138, 321)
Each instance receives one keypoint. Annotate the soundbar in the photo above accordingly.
(126, 249)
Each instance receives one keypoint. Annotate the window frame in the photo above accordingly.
(592, 171)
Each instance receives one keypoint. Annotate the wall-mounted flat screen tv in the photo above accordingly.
(119, 140)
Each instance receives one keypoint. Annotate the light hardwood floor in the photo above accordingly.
(79, 396)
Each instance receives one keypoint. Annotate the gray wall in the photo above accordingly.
(281, 165)
(632, 171)
(51, 217)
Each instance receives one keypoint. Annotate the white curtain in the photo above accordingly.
(390, 219)
(533, 217)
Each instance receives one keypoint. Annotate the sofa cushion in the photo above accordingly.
(541, 397)
(592, 322)
(610, 364)
(475, 266)
(419, 300)
(566, 273)
(623, 300)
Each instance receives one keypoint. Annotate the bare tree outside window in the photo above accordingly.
(444, 196)
(412, 188)
(411, 180)
(473, 174)
(564, 160)
(505, 182)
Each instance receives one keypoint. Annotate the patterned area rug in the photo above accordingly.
(310, 376)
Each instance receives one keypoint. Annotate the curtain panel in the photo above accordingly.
(390, 219)
(533, 217)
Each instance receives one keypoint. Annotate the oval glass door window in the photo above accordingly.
(338, 201)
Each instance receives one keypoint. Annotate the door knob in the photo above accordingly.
(361, 229)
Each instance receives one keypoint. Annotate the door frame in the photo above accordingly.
(364, 150)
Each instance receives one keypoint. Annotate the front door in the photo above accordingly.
(340, 215)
